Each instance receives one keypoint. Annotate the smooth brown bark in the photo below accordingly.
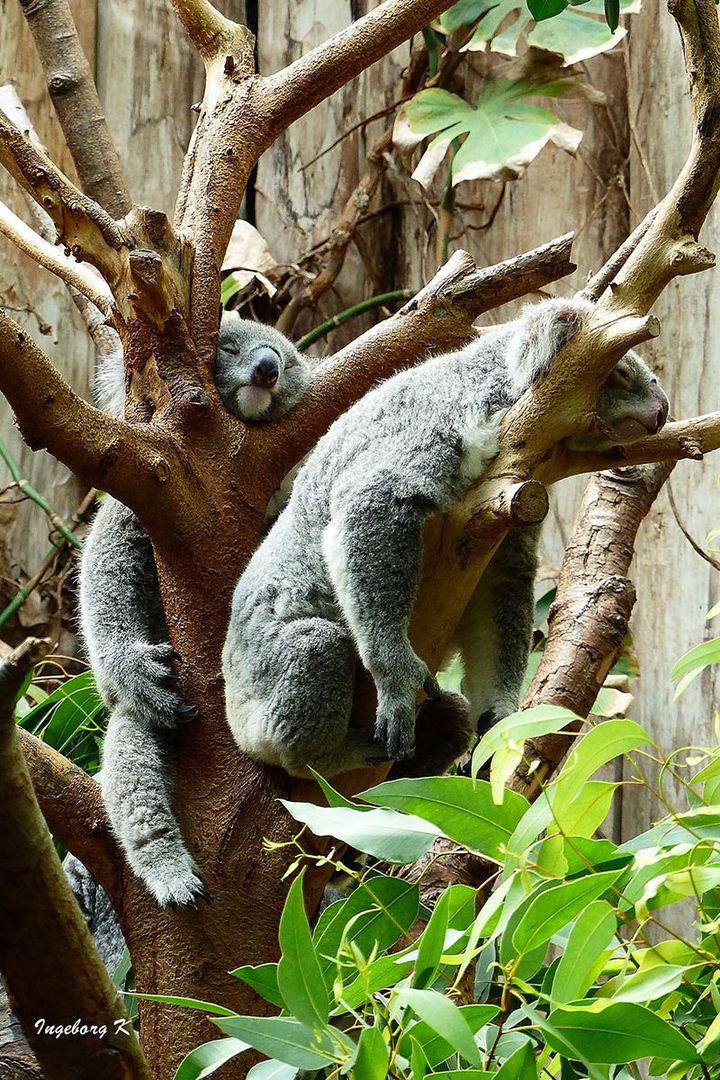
(72, 92)
(66, 982)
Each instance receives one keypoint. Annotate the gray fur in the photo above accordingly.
(97, 911)
(335, 580)
(123, 624)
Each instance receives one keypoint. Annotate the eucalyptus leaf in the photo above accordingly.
(299, 976)
(462, 808)
(205, 1059)
(614, 1034)
(396, 838)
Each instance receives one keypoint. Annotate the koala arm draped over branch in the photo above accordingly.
(259, 374)
(334, 582)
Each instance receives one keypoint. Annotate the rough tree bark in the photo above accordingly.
(200, 480)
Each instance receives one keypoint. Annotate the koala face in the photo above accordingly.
(258, 372)
(631, 405)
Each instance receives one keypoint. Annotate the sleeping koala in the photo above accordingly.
(334, 582)
(259, 375)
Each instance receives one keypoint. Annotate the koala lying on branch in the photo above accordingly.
(259, 375)
(334, 582)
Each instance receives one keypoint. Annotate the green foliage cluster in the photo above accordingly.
(564, 967)
(499, 134)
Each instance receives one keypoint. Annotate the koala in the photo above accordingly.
(259, 375)
(333, 584)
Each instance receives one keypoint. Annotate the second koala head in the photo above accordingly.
(259, 374)
(631, 403)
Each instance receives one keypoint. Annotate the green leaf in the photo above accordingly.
(545, 9)
(372, 1056)
(431, 945)
(288, 1040)
(374, 916)
(587, 811)
(589, 938)
(464, 13)
(503, 132)
(645, 986)
(564, 1044)
(184, 1002)
(576, 36)
(546, 912)
(608, 740)
(229, 287)
(614, 1034)
(300, 980)
(264, 981)
(695, 661)
(333, 797)
(396, 838)
(518, 726)
(444, 1017)
(462, 808)
(463, 1074)
(272, 1070)
(381, 974)
(205, 1059)
(521, 1065)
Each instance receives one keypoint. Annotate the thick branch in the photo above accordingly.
(49, 962)
(243, 114)
(109, 454)
(306, 82)
(590, 616)
(72, 92)
(680, 439)
(85, 228)
(437, 319)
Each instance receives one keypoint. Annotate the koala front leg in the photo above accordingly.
(123, 622)
(495, 633)
(373, 551)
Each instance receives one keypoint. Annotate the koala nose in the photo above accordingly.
(662, 414)
(265, 367)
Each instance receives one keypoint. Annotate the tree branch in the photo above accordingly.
(73, 94)
(74, 274)
(242, 114)
(680, 439)
(210, 32)
(133, 464)
(592, 608)
(85, 228)
(67, 980)
(437, 319)
(306, 82)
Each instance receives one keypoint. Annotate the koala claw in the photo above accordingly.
(186, 712)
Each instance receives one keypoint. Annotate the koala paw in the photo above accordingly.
(151, 686)
(493, 713)
(395, 724)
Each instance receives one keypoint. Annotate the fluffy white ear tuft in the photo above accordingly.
(541, 331)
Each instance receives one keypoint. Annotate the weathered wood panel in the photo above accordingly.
(39, 301)
(675, 586)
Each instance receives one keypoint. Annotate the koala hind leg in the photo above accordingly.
(310, 708)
